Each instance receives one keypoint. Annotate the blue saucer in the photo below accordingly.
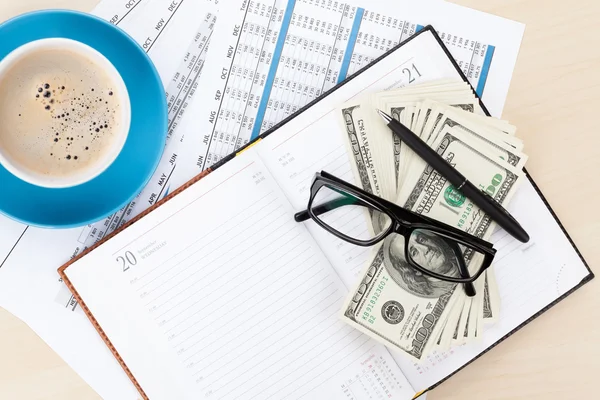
(127, 176)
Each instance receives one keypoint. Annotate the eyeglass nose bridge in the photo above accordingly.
(400, 227)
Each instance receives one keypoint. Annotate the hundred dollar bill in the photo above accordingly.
(431, 194)
(396, 113)
(394, 302)
(360, 149)
(507, 146)
(491, 305)
(370, 146)
(487, 307)
(405, 316)
(362, 154)
(401, 103)
(405, 114)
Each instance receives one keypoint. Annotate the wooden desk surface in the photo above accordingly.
(554, 100)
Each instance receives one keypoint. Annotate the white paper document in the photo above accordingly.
(270, 58)
(176, 35)
(230, 76)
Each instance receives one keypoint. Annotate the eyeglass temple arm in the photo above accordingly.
(464, 272)
(325, 207)
(468, 287)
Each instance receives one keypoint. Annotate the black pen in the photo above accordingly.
(484, 201)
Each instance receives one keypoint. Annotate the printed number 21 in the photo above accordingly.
(127, 261)
(409, 72)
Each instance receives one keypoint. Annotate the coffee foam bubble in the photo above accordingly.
(59, 112)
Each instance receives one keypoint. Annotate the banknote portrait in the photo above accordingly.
(429, 251)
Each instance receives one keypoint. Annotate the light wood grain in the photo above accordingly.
(555, 101)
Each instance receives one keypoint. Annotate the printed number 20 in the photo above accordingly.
(409, 72)
(127, 260)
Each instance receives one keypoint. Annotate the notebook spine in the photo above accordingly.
(103, 335)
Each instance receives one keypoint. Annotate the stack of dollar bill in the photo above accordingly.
(398, 305)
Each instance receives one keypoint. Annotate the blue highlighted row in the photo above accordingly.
(351, 43)
(485, 70)
(285, 25)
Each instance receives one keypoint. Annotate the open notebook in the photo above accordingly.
(216, 292)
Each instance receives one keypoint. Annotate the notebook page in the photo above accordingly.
(220, 294)
(530, 276)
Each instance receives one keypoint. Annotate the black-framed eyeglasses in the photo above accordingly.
(431, 247)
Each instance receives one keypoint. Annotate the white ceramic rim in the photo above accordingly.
(120, 89)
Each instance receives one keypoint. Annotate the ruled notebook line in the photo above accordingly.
(207, 264)
(207, 235)
(202, 246)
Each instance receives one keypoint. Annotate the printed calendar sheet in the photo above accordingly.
(270, 58)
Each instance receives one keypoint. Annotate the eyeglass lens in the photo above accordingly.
(345, 213)
(440, 254)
